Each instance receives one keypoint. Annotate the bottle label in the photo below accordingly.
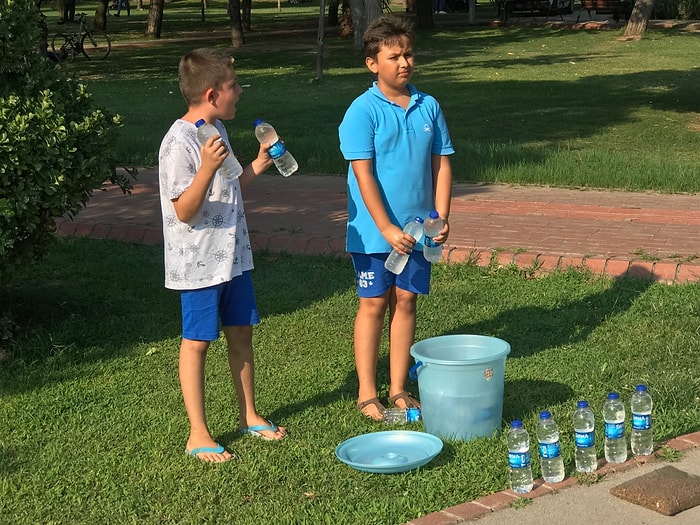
(413, 415)
(641, 421)
(277, 150)
(430, 243)
(614, 430)
(519, 459)
(585, 439)
(550, 450)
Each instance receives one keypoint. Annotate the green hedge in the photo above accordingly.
(55, 145)
(677, 9)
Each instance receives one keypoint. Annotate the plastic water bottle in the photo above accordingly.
(584, 429)
(518, 443)
(431, 228)
(396, 261)
(550, 450)
(266, 134)
(228, 168)
(642, 440)
(615, 442)
(401, 415)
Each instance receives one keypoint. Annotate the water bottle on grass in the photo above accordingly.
(518, 443)
(615, 442)
(584, 428)
(550, 450)
(642, 439)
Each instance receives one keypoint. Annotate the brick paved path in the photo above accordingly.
(610, 232)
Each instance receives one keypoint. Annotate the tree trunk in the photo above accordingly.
(639, 18)
(424, 14)
(319, 40)
(234, 15)
(362, 14)
(333, 7)
(155, 18)
(247, 24)
(99, 21)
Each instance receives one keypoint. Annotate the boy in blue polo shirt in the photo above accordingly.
(397, 142)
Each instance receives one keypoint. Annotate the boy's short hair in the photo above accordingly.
(202, 69)
(387, 30)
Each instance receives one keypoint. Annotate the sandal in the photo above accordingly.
(377, 404)
(407, 398)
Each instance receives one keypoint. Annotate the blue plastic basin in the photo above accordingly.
(461, 380)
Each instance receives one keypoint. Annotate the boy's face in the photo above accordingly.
(393, 65)
(226, 97)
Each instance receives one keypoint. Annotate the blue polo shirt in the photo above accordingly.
(401, 144)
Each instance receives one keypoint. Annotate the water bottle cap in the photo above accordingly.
(545, 414)
(641, 388)
(200, 122)
(613, 395)
(582, 404)
(419, 220)
(516, 423)
(257, 121)
(434, 214)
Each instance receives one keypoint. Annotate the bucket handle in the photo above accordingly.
(413, 372)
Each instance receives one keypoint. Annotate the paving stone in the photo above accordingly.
(667, 490)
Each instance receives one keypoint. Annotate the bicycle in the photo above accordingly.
(93, 43)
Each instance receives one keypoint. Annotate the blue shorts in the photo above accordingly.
(374, 280)
(233, 303)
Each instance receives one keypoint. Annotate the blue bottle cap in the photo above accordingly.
(582, 404)
(200, 122)
(641, 388)
(257, 121)
(613, 395)
(516, 423)
(545, 414)
(419, 219)
(434, 214)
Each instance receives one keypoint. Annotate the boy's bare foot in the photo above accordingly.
(372, 408)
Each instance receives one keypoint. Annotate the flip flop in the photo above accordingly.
(407, 398)
(256, 431)
(373, 401)
(219, 449)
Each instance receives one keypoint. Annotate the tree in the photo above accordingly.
(639, 19)
(234, 14)
(155, 18)
(363, 12)
(55, 144)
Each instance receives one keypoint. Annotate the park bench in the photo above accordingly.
(510, 8)
(616, 8)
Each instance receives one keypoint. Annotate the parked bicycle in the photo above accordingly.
(93, 43)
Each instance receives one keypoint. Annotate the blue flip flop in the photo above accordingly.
(219, 449)
(256, 430)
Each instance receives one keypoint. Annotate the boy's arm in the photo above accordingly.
(257, 167)
(400, 241)
(442, 184)
(188, 204)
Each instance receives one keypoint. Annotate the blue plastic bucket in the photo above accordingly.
(461, 380)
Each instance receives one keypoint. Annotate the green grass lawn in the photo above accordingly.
(528, 105)
(92, 427)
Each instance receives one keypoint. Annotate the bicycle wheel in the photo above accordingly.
(62, 47)
(95, 45)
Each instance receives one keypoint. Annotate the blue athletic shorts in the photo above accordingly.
(232, 303)
(373, 279)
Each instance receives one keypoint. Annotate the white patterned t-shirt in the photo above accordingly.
(214, 246)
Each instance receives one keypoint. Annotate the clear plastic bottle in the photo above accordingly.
(615, 441)
(266, 134)
(550, 450)
(396, 261)
(642, 439)
(401, 415)
(518, 443)
(228, 168)
(431, 228)
(584, 429)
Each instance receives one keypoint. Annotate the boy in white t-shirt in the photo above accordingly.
(208, 257)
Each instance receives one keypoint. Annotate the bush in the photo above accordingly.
(55, 146)
(680, 9)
